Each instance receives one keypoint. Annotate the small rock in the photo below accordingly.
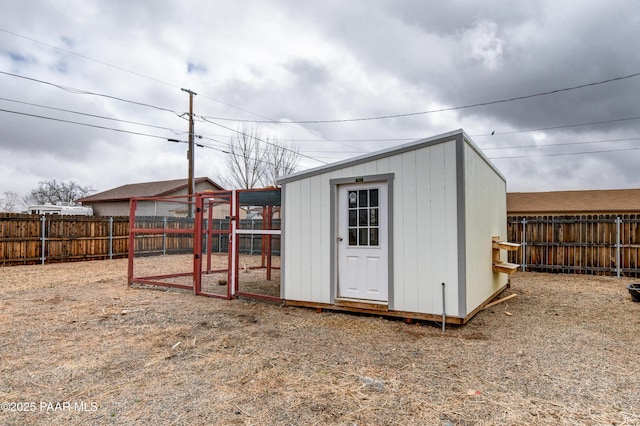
(377, 385)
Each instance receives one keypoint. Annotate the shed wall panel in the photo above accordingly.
(443, 225)
(411, 241)
(423, 228)
(485, 216)
(292, 275)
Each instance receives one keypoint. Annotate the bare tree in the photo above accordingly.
(283, 159)
(9, 202)
(255, 161)
(55, 192)
(245, 160)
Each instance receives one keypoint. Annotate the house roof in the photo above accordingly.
(574, 202)
(146, 189)
(458, 135)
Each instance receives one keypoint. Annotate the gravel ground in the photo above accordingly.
(78, 346)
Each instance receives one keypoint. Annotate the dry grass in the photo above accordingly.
(566, 350)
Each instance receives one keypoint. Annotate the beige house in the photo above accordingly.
(115, 202)
(570, 203)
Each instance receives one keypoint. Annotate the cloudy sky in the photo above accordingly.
(120, 66)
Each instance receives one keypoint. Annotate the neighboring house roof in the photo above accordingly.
(574, 202)
(147, 189)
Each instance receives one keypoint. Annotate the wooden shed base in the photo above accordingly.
(382, 310)
(379, 312)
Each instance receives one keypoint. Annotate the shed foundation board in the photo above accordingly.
(393, 314)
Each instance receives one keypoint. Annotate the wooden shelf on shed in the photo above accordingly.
(498, 264)
(503, 245)
(505, 267)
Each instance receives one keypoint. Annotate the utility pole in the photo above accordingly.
(190, 152)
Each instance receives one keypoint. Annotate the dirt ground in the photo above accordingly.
(79, 347)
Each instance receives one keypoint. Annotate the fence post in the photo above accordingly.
(251, 245)
(523, 264)
(43, 221)
(618, 222)
(164, 236)
(110, 237)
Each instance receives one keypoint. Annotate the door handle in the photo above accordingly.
(339, 239)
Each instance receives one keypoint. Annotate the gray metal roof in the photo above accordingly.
(458, 134)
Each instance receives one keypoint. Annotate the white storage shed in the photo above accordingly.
(408, 231)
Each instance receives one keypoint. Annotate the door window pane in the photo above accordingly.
(363, 219)
(363, 198)
(373, 198)
(373, 237)
(373, 217)
(353, 218)
(353, 199)
(353, 236)
(363, 234)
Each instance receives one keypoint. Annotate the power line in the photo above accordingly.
(82, 124)
(200, 145)
(215, 148)
(85, 92)
(261, 140)
(315, 159)
(565, 153)
(71, 52)
(177, 132)
(410, 114)
(561, 144)
(558, 127)
(321, 121)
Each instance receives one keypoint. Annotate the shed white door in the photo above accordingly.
(363, 262)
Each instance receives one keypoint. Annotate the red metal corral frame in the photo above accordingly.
(267, 224)
(133, 231)
(204, 204)
(203, 230)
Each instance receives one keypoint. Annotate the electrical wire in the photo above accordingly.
(262, 140)
(315, 159)
(320, 121)
(410, 114)
(83, 124)
(200, 145)
(564, 153)
(177, 132)
(85, 92)
(243, 157)
(71, 52)
(558, 127)
(560, 144)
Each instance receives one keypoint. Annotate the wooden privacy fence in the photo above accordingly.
(588, 244)
(592, 244)
(28, 239)
(43, 239)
